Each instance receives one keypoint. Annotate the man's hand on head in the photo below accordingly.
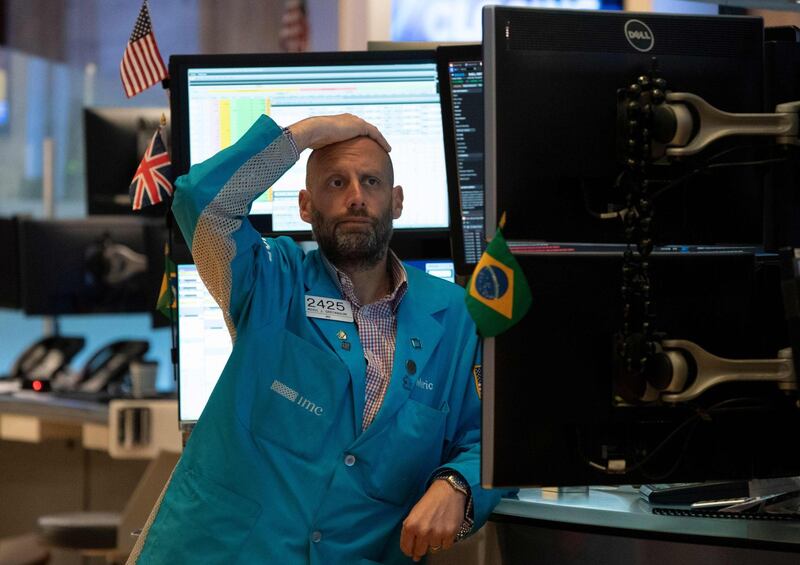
(434, 521)
(320, 131)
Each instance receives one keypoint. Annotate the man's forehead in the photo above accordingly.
(356, 147)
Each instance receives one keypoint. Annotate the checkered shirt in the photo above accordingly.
(377, 329)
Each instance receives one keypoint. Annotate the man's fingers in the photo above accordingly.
(407, 542)
(375, 134)
(319, 131)
(421, 546)
(448, 542)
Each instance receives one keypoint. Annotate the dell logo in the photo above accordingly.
(639, 35)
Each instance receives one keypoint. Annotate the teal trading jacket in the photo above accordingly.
(277, 469)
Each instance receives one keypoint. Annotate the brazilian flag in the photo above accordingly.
(498, 296)
(169, 288)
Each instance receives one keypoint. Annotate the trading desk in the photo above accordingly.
(35, 417)
(612, 526)
(64, 455)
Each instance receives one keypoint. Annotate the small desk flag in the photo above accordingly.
(142, 65)
(498, 295)
(152, 181)
(166, 303)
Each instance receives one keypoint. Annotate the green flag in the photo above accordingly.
(498, 296)
(168, 292)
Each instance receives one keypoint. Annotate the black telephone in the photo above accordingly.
(45, 361)
(110, 364)
(44, 365)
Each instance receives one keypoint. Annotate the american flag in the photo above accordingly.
(142, 65)
(151, 184)
(293, 35)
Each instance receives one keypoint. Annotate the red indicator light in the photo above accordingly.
(37, 385)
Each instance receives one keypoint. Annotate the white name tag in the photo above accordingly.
(328, 308)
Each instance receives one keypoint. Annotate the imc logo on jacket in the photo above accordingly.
(292, 395)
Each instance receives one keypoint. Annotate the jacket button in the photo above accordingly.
(350, 460)
(316, 537)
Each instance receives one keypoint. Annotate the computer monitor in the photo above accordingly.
(461, 93)
(555, 411)
(440, 268)
(116, 139)
(552, 79)
(216, 98)
(88, 266)
(9, 259)
(204, 344)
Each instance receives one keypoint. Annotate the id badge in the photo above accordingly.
(328, 308)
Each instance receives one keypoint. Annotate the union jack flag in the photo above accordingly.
(142, 65)
(151, 184)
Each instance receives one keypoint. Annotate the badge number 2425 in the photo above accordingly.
(328, 308)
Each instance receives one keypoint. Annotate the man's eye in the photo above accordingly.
(373, 181)
(336, 183)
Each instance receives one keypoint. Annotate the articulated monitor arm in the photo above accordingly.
(685, 124)
(713, 370)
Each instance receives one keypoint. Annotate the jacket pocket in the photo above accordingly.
(199, 517)
(406, 452)
(299, 396)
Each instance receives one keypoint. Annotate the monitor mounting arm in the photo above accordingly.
(685, 125)
(712, 371)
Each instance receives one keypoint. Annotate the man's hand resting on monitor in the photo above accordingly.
(320, 131)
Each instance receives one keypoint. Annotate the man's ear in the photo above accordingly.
(397, 201)
(305, 205)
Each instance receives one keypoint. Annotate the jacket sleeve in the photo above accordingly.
(463, 453)
(211, 205)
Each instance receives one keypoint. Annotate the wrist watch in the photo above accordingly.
(458, 483)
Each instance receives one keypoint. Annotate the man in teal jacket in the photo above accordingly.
(345, 426)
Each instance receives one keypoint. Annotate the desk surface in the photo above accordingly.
(622, 508)
(46, 406)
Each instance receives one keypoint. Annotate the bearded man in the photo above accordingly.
(345, 426)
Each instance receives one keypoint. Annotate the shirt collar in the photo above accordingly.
(397, 274)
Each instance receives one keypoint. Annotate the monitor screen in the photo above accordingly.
(116, 139)
(93, 265)
(563, 402)
(204, 343)
(217, 98)
(441, 268)
(461, 93)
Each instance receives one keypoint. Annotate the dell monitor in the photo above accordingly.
(555, 410)
(461, 93)
(553, 78)
(216, 98)
(116, 140)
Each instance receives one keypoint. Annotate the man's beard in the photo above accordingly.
(353, 250)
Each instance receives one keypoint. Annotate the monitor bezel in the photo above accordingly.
(179, 98)
(444, 56)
